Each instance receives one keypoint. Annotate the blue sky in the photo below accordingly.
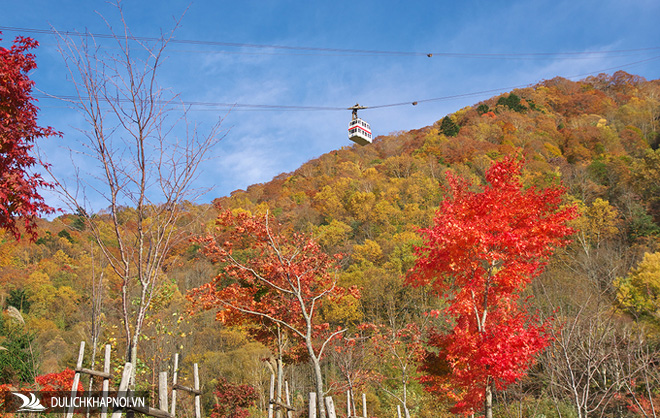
(262, 144)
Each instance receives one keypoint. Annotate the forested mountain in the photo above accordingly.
(599, 138)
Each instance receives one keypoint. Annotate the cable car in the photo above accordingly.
(359, 130)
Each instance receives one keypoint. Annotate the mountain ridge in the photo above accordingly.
(598, 137)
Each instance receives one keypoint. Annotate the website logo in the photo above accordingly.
(30, 404)
(46, 402)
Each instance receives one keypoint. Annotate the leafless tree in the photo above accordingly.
(148, 156)
(355, 361)
(582, 366)
(639, 365)
(582, 363)
(97, 296)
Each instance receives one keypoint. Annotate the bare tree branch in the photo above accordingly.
(148, 160)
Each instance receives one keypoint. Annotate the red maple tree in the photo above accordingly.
(268, 278)
(19, 188)
(483, 249)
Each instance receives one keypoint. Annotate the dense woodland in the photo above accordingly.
(599, 138)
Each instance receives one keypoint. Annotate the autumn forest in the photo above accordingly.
(503, 261)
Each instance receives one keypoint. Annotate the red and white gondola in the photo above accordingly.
(359, 131)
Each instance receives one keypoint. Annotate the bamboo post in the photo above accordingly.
(175, 376)
(289, 412)
(312, 404)
(330, 407)
(162, 391)
(364, 405)
(76, 377)
(348, 404)
(198, 398)
(271, 395)
(106, 380)
(398, 411)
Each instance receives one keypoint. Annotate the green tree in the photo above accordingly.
(512, 101)
(449, 127)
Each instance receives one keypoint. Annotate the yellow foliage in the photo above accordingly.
(347, 310)
(262, 208)
(299, 197)
(36, 280)
(39, 324)
(349, 169)
(392, 193)
(406, 237)
(238, 211)
(329, 198)
(553, 150)
(6, 254)
(371, 173)
(361, 205)
(639, 291)
(333, 234)
(489, 132)
(459, 115)
(384, 212)
(66, 301)
(61, 258)
(597, 222)
(370, 251)
(414, 215)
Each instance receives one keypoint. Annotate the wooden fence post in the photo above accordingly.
(76, 377)
(271, 395)
(162, 391)
(312, 404)
(123, 386)
(364, 405)
(194, 390)
(106, 380)
(330, 407)
(175, 376)
(289, 411)
(198, 397)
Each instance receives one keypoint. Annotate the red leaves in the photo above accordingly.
(233, 400)
(503, 234)
(267, 277)
(57, 381)
(482, 251)
(19, 196)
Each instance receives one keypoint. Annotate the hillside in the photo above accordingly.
(599, 138)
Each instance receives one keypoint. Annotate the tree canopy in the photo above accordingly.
(20, 199)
